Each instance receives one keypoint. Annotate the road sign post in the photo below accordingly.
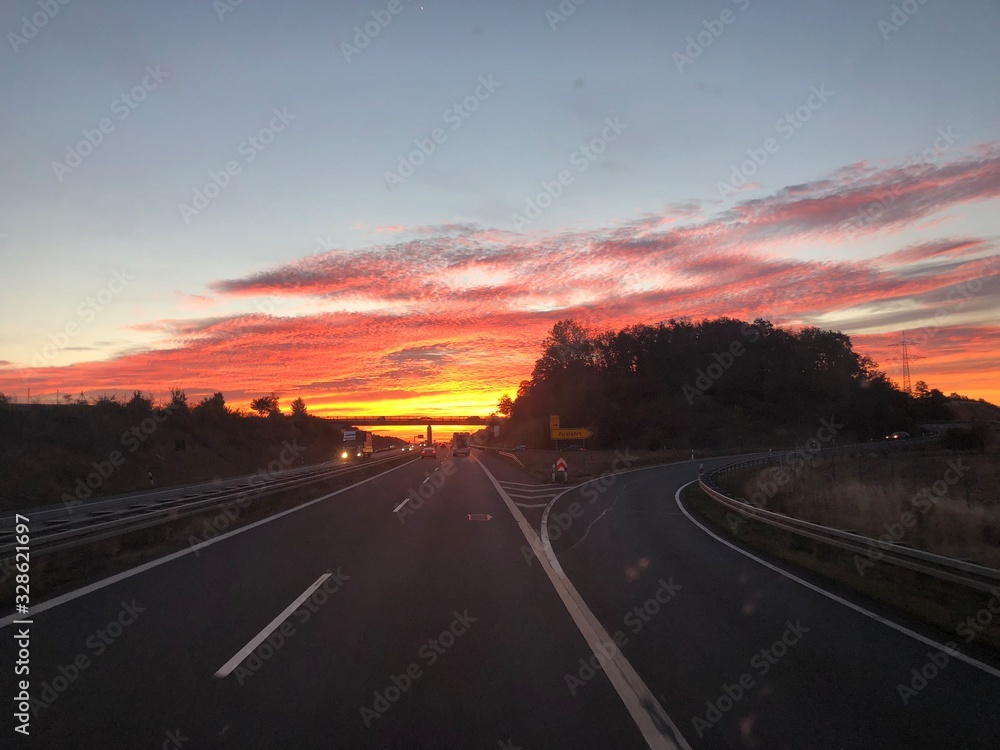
(560, 467)
(558, 433)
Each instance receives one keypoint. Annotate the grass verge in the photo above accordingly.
(961, 612)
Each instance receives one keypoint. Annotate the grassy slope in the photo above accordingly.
(44, 450)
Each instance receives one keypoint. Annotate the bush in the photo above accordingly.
(965, 438)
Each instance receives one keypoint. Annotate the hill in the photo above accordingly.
(50, 453)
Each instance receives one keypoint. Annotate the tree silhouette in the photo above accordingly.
(506, 405)
(178, 399)
(266, 406)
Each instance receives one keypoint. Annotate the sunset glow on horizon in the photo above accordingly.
(563, 184)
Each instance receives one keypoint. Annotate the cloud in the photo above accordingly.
(927, 250)
(460, 308)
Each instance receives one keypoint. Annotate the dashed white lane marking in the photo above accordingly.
(242, 654)
(111, 580)
(396, 509)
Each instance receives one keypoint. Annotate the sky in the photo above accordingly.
(383, 207)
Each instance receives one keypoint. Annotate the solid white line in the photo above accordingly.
(856, 607)
(242, 654)
(111, 580)
(657, 728)
(534, 490)
(531, 486)
(396, 509)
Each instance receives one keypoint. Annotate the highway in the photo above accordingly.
(412, 611)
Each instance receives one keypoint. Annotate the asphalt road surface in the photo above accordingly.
(363, 621)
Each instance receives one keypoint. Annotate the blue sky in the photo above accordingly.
(320, 183)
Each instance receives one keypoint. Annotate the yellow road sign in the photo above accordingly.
(554, 422)
(571, 433)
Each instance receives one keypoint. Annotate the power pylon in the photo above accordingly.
(904, 359)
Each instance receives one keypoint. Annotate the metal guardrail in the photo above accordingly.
(962, 572)
(59, 527)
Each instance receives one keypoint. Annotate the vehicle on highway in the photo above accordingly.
(520, 448)
(428, 451)
(460, 443)
(572, 448)
(357, 444)
(898, 436)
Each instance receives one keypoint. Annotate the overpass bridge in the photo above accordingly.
(406, 421)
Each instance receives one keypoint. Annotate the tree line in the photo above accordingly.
(715, 383)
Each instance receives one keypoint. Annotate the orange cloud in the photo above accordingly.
(451, 316)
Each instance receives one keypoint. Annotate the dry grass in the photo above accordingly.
(902, 498)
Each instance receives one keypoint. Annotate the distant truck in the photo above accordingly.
(357, 444)
(460, 444)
